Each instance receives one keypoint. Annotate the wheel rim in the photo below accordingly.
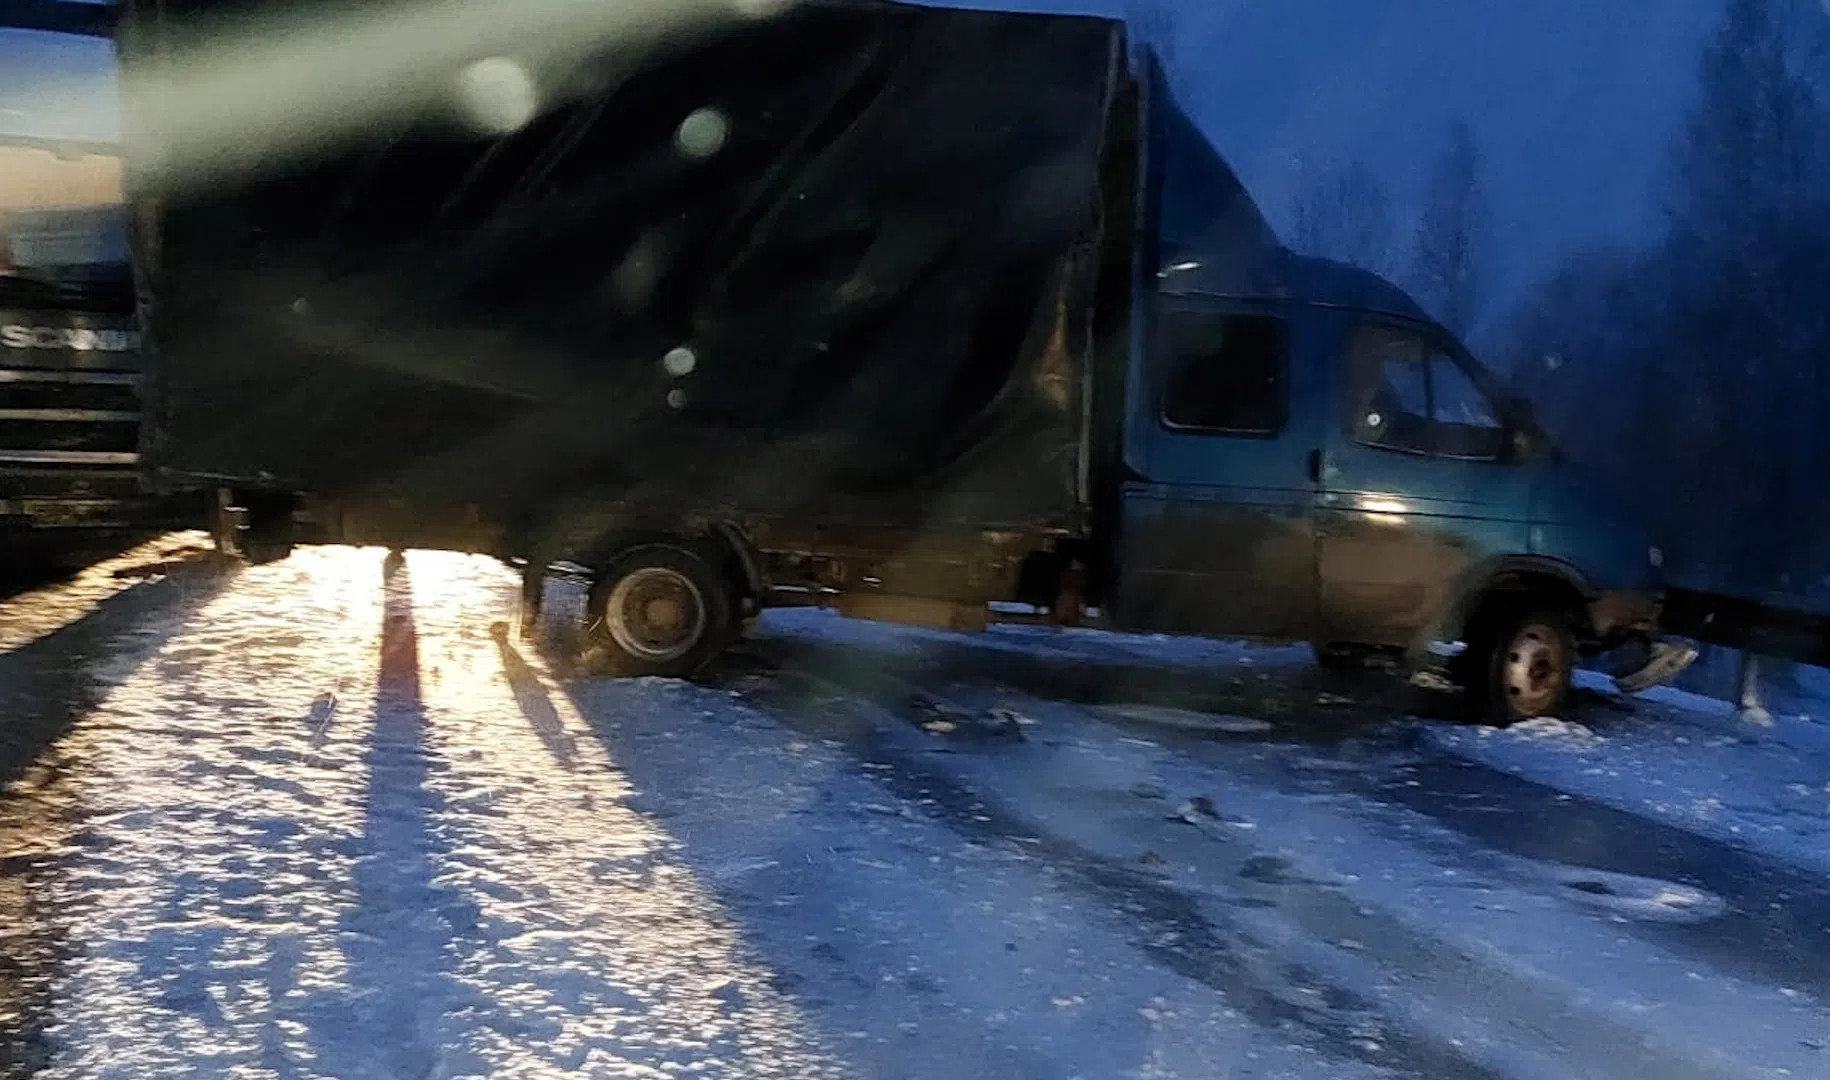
(655, 613)
(1534, 670)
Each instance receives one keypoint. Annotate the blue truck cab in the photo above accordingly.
(963, 316)
(1308, 456)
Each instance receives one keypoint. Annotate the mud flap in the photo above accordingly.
(1665, 659)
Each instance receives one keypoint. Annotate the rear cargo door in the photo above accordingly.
(1219, 528)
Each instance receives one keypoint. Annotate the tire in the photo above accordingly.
(259, 533)
(1519, 665)
(660, 609)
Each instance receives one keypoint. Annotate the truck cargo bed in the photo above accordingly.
(836, 264)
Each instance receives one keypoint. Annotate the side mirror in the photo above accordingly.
(1523, 436)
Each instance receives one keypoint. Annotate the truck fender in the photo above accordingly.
(743, 552)
(1480, 580)
(723, 541)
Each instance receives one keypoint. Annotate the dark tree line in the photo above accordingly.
(1344, 211)
(1691, 376)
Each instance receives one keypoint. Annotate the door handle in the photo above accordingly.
(1315, 466)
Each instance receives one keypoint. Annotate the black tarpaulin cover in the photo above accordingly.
(833, 261)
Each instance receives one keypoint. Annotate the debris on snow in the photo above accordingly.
(323, 710)
(1637, 897)
(1008, 723)
(1551, 729)
(727, 992)
(1004, 715)
(1146, 790)
(1197, 808)
(937, 716)
(1187, 720)
(1432, 680)
(1266, 870)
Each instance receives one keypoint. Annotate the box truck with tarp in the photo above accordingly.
(922, 314)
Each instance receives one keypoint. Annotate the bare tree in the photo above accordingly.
(1446, 258)
(1754, 143)
(1692, 374)
(1344, 212)
(1751, 226)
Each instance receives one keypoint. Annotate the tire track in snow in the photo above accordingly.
(1776, 928)
(1174, 931)
(1611, 1039)
(61, 647)
(209, 855)
(409, 888)
(588, 944)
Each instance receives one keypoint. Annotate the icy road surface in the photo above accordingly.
(324, 819)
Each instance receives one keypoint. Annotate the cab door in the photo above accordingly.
(1418, 478)
(1217, 532)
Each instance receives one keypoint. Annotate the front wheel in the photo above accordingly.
(659, 609)
(1520, 665)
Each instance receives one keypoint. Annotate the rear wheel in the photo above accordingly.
(254, 527)
(660, 609)
(1519, 665)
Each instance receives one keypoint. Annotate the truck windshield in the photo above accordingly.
(62, 213)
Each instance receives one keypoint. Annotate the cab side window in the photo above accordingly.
(1228, 374)
(1409, 395)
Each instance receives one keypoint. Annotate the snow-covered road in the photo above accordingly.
(325, 818)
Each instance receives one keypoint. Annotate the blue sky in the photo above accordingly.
(1574, 104)
(58, 74)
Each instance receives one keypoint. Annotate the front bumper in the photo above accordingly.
(1628, 615)
(1665, 660)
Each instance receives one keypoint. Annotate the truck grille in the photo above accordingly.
(20, 438)
(69, 395)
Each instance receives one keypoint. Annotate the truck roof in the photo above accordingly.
(1280, 274)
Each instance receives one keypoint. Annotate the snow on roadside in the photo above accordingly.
(1680, 760)
(1550, 945)
(36, 613)
(307, 830)
(329, 823)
